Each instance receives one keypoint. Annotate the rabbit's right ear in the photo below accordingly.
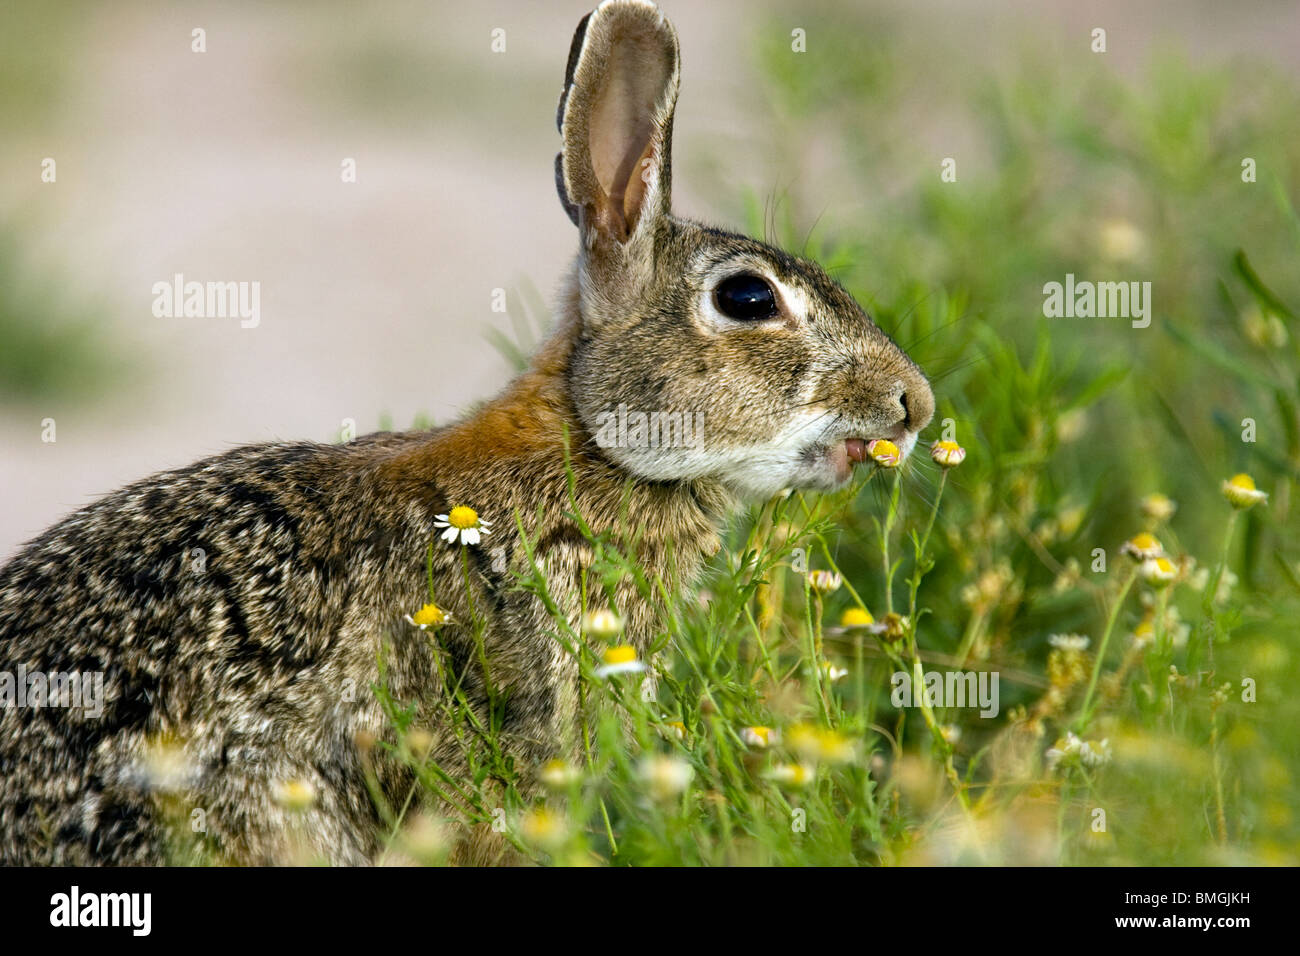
(616, 117)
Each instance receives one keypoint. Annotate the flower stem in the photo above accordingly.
(1085, 712)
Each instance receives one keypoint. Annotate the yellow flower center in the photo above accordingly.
(462, 517)
(948, 445)
(1243, 481)
(429, 615)
(857, 617)
(1165, 565)
(1145, 541)
(620, 654)
(762, 733)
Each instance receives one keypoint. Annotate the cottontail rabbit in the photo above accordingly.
(237, 608)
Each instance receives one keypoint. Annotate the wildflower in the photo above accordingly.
(166, 767)
(1069, 642)
(1158, 507)
(543, 827)
(792, 774)
(759, 736)
(1066, 664)
(1144, 633)
(1070, 750)
(294, 794)
(426, 617)
(856, 617)
(1263, 329)
(424, 839)
(947, 454)
(821, 744)
(1143, 546)
(676, 728)
(1120, 241)
(419, 742)
(1068, 578)
(824, 582)
(1064, 750)
(1158, 572)
(1070, 519)
(833, 673)
(884, 453)
(463, 523)
(558, 775)
(620, 659)
(603, 624)
(666, 776)
(1241, 492)
(951, 733)
(893, 627)
(1095, 753)
(1071, 425)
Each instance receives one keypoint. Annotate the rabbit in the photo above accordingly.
(238, 608)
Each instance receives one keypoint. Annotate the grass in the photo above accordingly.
(1171, 737)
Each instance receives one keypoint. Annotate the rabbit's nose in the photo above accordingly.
(917, 404)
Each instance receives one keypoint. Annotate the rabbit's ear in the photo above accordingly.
(616, 117)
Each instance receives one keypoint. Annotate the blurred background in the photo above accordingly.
(376, 295)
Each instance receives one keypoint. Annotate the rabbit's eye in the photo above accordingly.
(746, 297)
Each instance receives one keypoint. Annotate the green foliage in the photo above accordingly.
(1070, 425)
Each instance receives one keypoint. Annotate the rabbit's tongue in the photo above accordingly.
(857, 449)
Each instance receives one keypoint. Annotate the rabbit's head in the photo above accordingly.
(699, 353)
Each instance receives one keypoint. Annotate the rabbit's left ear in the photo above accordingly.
(616, 117)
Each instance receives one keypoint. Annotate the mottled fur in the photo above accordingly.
(255, 664)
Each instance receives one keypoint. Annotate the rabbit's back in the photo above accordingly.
(234, 606)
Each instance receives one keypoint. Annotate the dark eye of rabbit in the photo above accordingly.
(746, 297)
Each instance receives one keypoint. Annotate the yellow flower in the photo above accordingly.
(461, 523)
(676, 728)
(543, 827)
(948, 454)
(620, 659)
(1120, 241)
(1158, 572)
(426, 617)
(1143, 546)
(1241, 492)
(296, 795)
(821, 744)
(884, 452)
(603, 624)
(792, 774)
(758, 736)
(1158, 507)
(558, 775)
(856, 617)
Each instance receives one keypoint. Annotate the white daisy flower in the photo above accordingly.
(620, 659)
(1069, 642)
(463, 523)
(666, 776)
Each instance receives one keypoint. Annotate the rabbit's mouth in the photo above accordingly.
(845, 455)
